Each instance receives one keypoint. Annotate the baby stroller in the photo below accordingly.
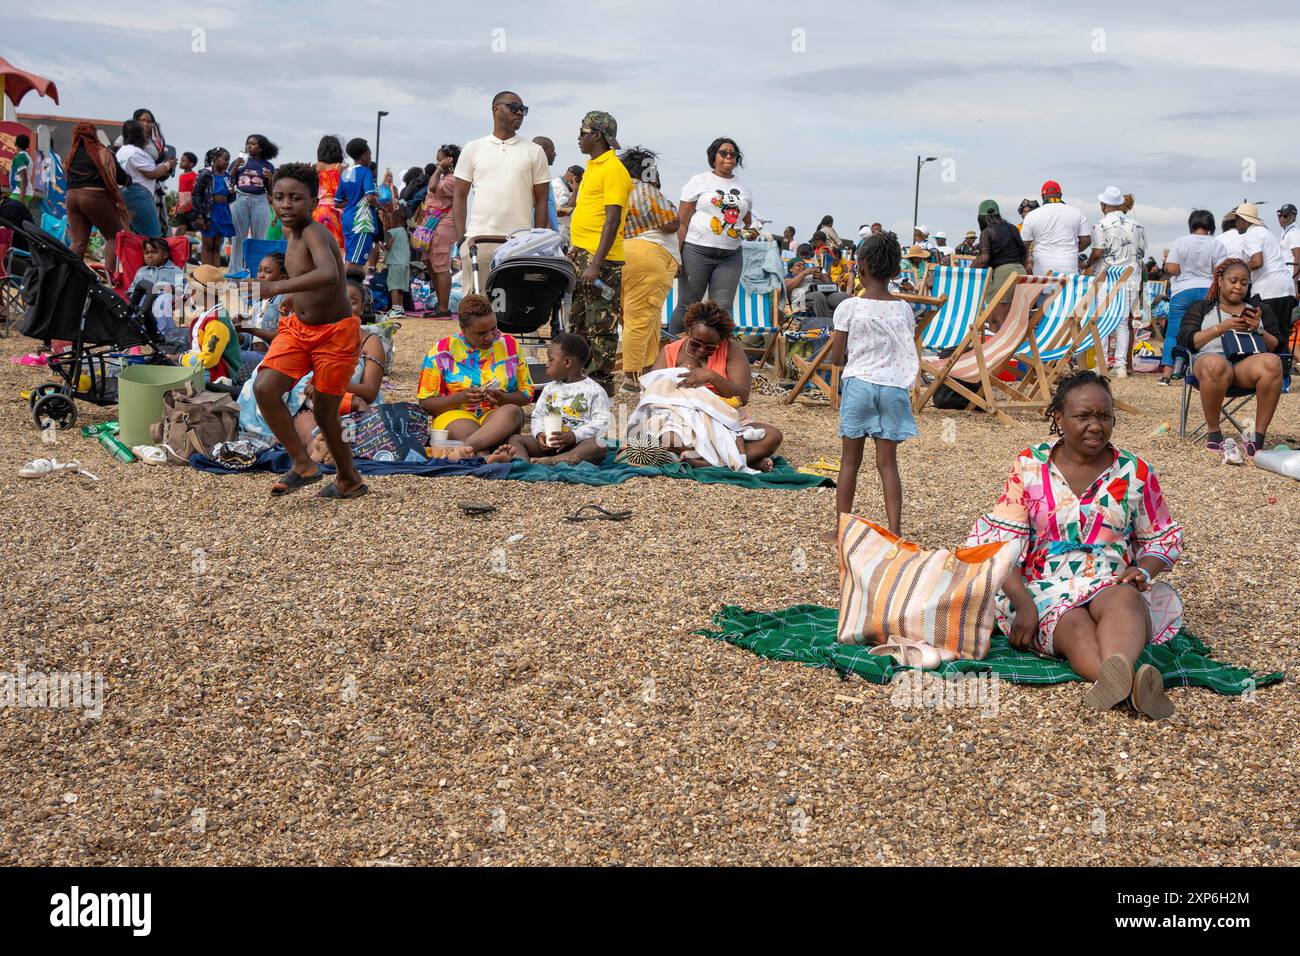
(530, 280)
(65, 300)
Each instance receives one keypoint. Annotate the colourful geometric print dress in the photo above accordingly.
(1073, 547)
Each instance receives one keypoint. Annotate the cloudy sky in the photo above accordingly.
(1186, 105)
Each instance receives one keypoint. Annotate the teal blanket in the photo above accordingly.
(782, 475)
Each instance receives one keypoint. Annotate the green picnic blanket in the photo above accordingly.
(782, 475)
(806, 633)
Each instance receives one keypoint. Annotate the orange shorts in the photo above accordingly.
(329, 351)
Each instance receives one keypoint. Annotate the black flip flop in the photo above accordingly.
(292, 481)
(332, 491)
(597, 514)
(475, 509)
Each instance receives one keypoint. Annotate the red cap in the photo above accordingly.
(1051, 186)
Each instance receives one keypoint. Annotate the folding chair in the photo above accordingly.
(1235, 400)
(962, 262)
(256, 249)
(130, 257)
(1049, 350)
(978, 360)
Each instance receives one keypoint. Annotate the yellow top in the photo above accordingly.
(605, 183)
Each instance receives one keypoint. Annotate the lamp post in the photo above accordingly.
(916, 199)
(378, 120)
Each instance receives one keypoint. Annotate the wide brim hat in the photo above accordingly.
(1249, 212)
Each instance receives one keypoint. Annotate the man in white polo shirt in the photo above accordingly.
(510, 179)
(1055, 234)
(1270, 273)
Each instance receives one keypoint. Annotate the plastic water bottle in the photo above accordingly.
(605, 289)
(115, 448)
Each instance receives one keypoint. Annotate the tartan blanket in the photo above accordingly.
(806, 633)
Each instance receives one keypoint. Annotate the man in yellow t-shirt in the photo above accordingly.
(596, 232)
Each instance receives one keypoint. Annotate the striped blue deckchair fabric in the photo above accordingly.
(1118, 308)
(1057, 315)
(752, 312)
(965, 291)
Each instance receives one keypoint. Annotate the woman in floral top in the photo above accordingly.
(475, 384)
(1093, 532)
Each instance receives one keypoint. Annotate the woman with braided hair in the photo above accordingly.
(1094, 532)
(1230, 346)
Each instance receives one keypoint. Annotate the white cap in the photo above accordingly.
(864, 232)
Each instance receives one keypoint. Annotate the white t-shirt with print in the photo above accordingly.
(583, 405)
(1055, 229)
(1272, 280)
(882, 341)
(134, 161)
(721, 206)
(1196, 256)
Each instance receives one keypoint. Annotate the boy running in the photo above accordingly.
(320, 336)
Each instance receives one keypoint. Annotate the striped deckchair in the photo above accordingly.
(1050, 345)
(962, 262)
(962, 291)
(752, 311)
(977, 360)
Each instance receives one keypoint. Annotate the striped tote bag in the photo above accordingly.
(891, 589)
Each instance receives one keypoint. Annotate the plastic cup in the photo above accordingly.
(552, 424)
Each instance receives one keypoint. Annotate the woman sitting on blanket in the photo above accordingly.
(709, 358)
(1093, 532)
(475, 384)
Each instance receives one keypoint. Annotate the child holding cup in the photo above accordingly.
(569, 416)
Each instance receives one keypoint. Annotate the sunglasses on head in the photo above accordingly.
(517, 108)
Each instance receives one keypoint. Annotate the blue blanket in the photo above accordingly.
(608, 472)
(761, 267)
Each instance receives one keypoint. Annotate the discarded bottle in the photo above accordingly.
(115, 448)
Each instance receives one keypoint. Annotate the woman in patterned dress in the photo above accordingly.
(329, 166)
(1094, 532)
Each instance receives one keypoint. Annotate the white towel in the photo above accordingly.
(696, 416)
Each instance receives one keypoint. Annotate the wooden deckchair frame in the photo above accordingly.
(809, 368)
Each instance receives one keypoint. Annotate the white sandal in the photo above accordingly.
(150, 454)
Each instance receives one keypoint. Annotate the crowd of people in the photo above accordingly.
(1231, 299)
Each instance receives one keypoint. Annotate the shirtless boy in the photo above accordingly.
(320, 336)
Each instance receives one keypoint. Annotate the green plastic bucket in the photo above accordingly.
(140, 398)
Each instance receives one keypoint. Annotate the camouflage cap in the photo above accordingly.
(604, 124)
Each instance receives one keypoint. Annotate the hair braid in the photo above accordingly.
(1068, 384)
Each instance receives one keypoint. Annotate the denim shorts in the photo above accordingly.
(868, 410)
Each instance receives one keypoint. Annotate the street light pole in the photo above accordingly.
(378, 120)
(916, 198)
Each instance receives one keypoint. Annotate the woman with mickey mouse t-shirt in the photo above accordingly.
(715, 207)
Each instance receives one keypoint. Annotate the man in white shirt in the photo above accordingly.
(943, 254)
(1055, 234)
(1270, 273)
(511, 182)
(921, 237)
(1290, 240)
(1119, 240)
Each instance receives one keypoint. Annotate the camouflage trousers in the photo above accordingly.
(597, 318)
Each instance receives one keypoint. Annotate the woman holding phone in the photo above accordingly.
(1230, 347)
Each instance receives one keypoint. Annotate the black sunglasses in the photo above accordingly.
(727, 152)
(517, 108)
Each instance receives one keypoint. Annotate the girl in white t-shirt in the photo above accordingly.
(141, 168)
(1190, 263)
(715, 207)
(875, 344)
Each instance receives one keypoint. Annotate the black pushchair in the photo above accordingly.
(528, 284)
(64, 299)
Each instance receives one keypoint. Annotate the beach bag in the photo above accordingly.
(892, 590)
(427, 225)
(390, 432)
(195, 421)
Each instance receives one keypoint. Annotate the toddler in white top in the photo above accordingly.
(571, 414)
